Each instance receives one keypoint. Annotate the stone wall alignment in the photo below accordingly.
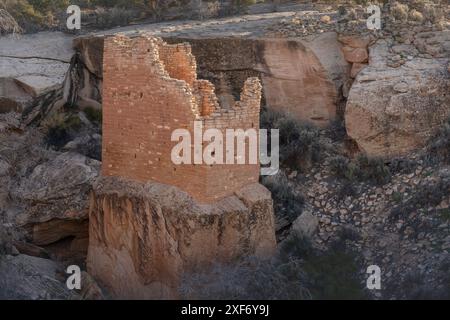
(150, 88)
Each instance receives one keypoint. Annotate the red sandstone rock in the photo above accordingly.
(143, 237)
(355, 55)
(355, 41)
(356, 68)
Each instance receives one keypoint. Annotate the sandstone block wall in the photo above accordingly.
(151, 88)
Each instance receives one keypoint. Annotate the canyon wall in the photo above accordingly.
(144, 237)
(301, 77)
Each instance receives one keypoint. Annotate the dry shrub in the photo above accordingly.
(400, 11)
(8, 24)
(415, 15)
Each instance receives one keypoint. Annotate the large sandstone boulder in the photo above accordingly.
(392, 111)
(142, 237)
(32, 66)
(303, 77)
(42, 73)
(306, 224)
(32, 278)
(53, 203)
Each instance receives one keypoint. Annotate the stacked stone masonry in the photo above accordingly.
(150, 89)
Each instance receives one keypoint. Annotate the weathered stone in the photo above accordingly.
(435, 43)
(90, 49)
(61, 185)
(89, 288)
(31, 249)
(55, 207)
(401, 87)
(296, 81)
(356, 68)
(144, 236)
(31, 278)
(31, 67)
(355, 41)
(306, 224)
(393, 111)
(56, 229)
(355, 55)
(325, 19)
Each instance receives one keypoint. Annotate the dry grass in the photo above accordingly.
(8, 24)
(400, 11)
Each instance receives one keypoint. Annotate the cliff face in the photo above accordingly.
(143, 237)
(299, 76)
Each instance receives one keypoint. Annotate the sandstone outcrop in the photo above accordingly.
(300, 76)
(32, 67)
(43, 72)
(355, 50)
(32, 278)
(53, 203)
(144, 236)
(391, 111)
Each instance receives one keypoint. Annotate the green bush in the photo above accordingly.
(287, 202)
(29, 18)
(444, 214)
(37, 15)
(299, 142)
(297, 271)
(94, 115)
(334, 275)
(439, 146)
(424, 196)
(362, 169)
(112, 17)
(61, 129)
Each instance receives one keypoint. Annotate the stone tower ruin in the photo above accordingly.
(150, 89)
(145, 233)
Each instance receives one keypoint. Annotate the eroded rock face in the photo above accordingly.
(300, 76)
(296, 81)
(391, 111)
(142, 237)
(53, 204)
(32, 278)
(63, 182)
(32, 66)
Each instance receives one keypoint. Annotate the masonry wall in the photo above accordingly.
(150, 89)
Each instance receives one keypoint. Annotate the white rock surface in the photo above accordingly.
(32, 65)
(306, 224)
